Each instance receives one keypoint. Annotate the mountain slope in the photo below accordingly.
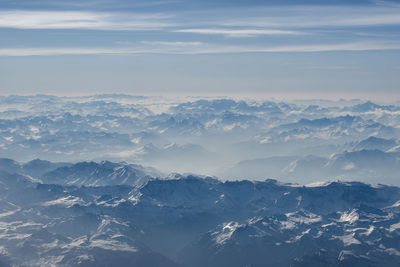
(99, 174)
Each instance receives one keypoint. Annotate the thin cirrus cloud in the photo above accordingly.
(197, 49)
(82, 20)
(178, 43)
(316, 17)
(240, 32)
(106, 3)
(232, 23)
(260, 21)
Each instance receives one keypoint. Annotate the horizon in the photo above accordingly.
(256, 97)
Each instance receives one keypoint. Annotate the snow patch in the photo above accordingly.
(348, 239)
(350, 217)
(227, 231)
(394, 227)
(68, 201)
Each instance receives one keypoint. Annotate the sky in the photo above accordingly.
(301, 49)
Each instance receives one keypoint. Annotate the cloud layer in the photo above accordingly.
(82, 20)
(299, 28)
(240, 32)
(190, 48)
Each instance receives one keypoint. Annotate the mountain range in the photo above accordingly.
(122, 180)
(124, 214)
(214, 136)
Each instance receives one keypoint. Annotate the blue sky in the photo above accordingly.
(289, 48)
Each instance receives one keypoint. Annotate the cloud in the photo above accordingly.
(182, 44)
(229, 22)
(60, 51)
(356, 46)
(263, 20)
(102, 3)
(315, 17)
(82, 20)
(199, 48)
(240, 32)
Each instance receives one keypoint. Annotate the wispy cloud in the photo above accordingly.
(181, 44)
(60, 51)
(198, 49)
(275, 20)
(233, 22)
(102, 3)
(240, 32)
(316, 17)
(82, 20)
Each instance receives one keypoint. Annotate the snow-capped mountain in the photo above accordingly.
(83, 173)
(302, 238)
(100, 174)
(375, 143)
(188, 220)
(78, 194)
(365, 165)
(216, 136)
